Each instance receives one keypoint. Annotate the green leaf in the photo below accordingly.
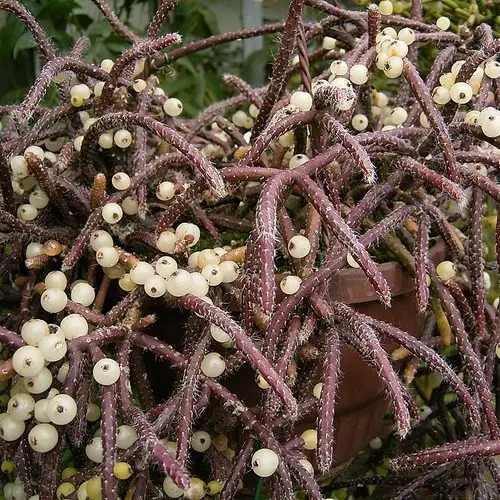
(100, 28)
(24, 42)
(210, 20)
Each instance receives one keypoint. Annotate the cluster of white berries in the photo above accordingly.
(201, 441)
(488, 119)
(164, 275)
(391, 48)
(23, 182)
(298, 247)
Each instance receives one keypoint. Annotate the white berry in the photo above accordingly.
(299, 246)
(441, 95)
(61, 409)
(100, 239)
(265, 462)
(199, 285)
(201, 441)
(74, 326)
(165, 266)
(166, 242)
(359, 122)
(94, 450)
(155, 286)
(230, 271)
(83, 293)
(393, 67)
(290, 284)
(443, 23)
(130, 205)
(112, 213)
(125, 436)
(19, 167)
(165, 190)
(28, 361)
(10, 428)
(53, 347)
(56, 279)
(142, 272)
(27, 212)
(173, 107)
(297, 161)
(122, 138)
(339, 68)
(358, 74)
(219, 335)
(106, 371)
(33, 331)
(492, 69)
(212, 274)
(213, 364)
(21, 406)
(407, 35)
(303, 100)
(461, 93)
(107, 256)
(121, 181)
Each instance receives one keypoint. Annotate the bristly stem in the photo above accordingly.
(421, 92)
(189, 387)
(421, 258)
(161, 14)
(259, 363)
(115, 22)
(278, 78)
(329, 389)
(476, 262)
(42, 40)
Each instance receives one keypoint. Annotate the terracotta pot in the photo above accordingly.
(361, 403)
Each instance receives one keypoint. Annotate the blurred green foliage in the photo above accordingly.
(196, 79)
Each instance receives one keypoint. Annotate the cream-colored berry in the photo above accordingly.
(393, 67)
(492, 69)
(359, 122)
(173, 107)
(358, 74)
(310, 438)
(443, 23)
(407, 35)
(385, 7)
(121, 181)
(339, 68)
(265, 462)
(441, 95)
(446, 270)
(303, 100)
(112, 213)
(122, 138)
(461, 93)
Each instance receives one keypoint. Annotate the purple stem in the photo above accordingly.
(421, 258)
(476, 262)
(278, 81)
(245, 345)
(190, 385)
(143, 428)
(422, 94)
(326, 412)
(124, 118)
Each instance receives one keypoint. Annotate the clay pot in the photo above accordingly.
(361, 403)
